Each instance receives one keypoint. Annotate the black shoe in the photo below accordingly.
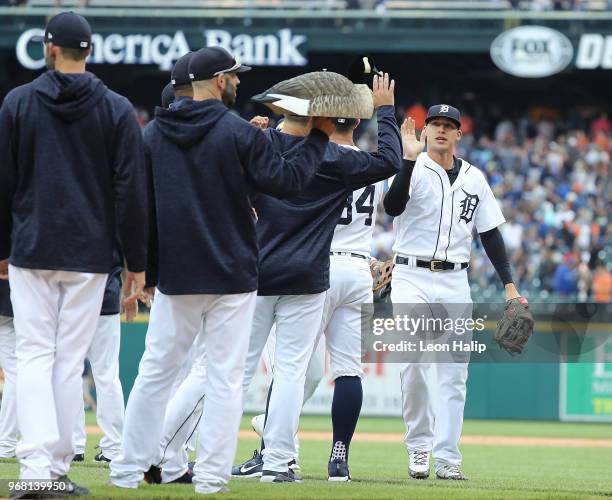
(153, 475)
(293, 465)
(270, 476)
(186, 478)
(251, 468)
(62, 487)
(79, 457)
(101, 458)
(72, 489)
(338, 471)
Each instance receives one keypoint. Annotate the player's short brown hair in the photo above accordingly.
(74, 54)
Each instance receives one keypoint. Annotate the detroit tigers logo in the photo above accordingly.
(468, 206)
(444, 108)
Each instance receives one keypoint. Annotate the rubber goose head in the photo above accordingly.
(321, 93)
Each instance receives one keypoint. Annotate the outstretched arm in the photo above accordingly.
(399, 192)
(494, 246)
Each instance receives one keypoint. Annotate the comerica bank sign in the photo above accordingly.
(278, 49)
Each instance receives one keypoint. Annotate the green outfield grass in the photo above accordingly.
(380, 469)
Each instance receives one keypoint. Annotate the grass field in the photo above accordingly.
(379, 469)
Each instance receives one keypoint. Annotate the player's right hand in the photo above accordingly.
(383, 91)
(260, 122)
(325, 125)
(132, 290)
(4, 269)
(411, 146)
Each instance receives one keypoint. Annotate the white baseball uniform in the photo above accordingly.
(51, 347)
(103, 355)
(437, 224)
(8, 410)
(183, 413)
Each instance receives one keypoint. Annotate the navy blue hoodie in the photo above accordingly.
(295, 233)
(6, 308)
(204, 164)
(71, 176)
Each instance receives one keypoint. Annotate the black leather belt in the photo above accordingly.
(358, 255)
(432, 265)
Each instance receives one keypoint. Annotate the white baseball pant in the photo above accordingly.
(345, 309)
(298, 321)
(173, 325)
(8, 410)
(183, 414)
(103, 355)
(433, 409)
(56, 314)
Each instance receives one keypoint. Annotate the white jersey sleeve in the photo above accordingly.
(489, 214)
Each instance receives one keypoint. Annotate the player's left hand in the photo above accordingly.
(132, 290)
(260, 122)
(4, 269)
(512, 292)
(383, 90)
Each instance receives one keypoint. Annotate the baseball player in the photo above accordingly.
(103, 355)
(204, 162)
(438, 200)
(350, 288)
(9, 433)
(295, 237)
(71, 176)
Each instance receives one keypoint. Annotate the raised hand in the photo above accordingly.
(325, 125)
(412, 147)
(383, 91)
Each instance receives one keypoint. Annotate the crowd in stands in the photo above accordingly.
(552, 179)
(378, 5)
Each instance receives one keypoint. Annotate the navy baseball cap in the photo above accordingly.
(444, 111)
(180, 72)
(209, 62)
(68, 30)
(167, 96)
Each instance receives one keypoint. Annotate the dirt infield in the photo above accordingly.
(374, 437)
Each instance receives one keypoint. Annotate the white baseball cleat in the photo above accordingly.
(452, 472)
(419, 464)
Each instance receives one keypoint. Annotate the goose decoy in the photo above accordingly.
(320, 93)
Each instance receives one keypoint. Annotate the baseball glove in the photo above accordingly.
(381, 275)
(515, 326)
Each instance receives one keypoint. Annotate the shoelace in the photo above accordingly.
(420, 457)
(453, 469)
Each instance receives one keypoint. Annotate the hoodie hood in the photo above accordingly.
(187, 121)
(71, 96)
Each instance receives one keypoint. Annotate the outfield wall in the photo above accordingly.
(534, 391)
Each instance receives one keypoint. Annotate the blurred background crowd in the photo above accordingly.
(379, 5)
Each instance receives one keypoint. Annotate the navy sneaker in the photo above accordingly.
(79, 457)
(101, 458)
(186, 478)
(270, 476)
(253, 467)
(338, 471)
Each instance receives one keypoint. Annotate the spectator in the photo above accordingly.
(602, 284)
(566, 277)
